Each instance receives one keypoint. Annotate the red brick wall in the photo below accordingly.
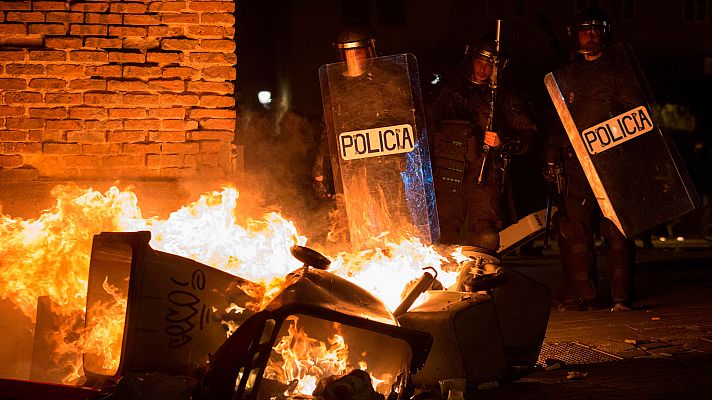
(116, 89)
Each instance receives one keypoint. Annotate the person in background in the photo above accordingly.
(472, 143)
(354, 43)
(579, 217)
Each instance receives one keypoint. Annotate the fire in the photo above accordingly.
(49, 256)
(207, 231)
(306, 360)
(385, 272)
(103, 333)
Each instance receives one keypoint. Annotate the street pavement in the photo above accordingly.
(660, 350)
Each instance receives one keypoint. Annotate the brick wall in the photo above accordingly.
(116, 89)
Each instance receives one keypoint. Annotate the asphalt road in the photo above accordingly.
(660, 350)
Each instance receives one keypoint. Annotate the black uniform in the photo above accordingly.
(601, 92)
(480, 203)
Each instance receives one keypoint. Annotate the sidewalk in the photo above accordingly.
(661, 350)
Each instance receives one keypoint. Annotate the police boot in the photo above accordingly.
(580, 294)
(619, 255)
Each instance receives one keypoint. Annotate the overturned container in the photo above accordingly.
(156, 312)
(487, 333)
(273, 353)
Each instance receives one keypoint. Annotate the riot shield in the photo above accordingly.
(379, 149)
(630, 162)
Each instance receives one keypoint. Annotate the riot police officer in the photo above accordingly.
(579, 217)
(473, 139)
(363, 93)
(355, 42)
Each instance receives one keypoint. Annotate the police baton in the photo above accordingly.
(493, 91)
(485, 152)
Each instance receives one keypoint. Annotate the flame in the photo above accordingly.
(207, 231)
(385, 272)
(49, 256)
(307, 360)
(104, 332)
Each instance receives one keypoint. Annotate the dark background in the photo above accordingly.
(282, 43)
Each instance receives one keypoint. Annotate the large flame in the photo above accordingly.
(307, 360)
(49, 256)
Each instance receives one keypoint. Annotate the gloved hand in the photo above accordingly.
(551, 172)
(321, 189)
(492, 139)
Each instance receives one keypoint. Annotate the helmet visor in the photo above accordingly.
(350, 53)
(589, 36)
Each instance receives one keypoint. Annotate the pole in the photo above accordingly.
(493, 97)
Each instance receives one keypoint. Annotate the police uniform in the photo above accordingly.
(480, 204)
(579, 216)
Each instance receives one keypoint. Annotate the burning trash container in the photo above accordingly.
(155, 311)
(320, 333)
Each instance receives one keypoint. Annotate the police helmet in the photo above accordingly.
(483, 47)
(356, 35)
(588, 19)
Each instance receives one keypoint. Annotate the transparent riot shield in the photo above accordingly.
(630, 163)
(379, 149)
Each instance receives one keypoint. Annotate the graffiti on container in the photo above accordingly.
(185, 310)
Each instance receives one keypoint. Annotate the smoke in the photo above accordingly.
(280, 148)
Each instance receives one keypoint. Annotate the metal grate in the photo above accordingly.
(573, 353)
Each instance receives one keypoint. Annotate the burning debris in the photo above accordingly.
(288, 354)
(354, 385)
(196, 293)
